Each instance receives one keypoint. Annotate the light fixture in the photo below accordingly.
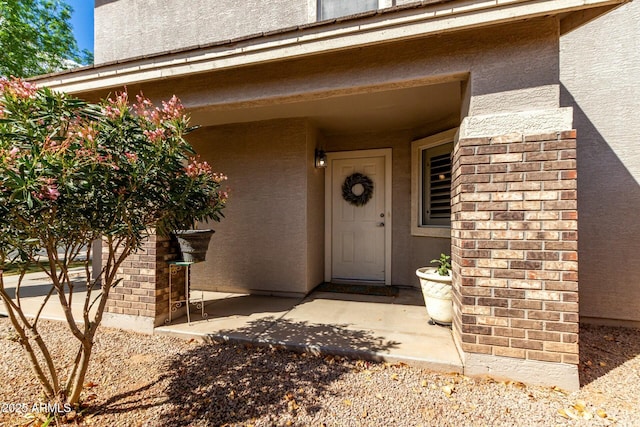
(320, 158)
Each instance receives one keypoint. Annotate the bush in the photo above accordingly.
(72, 172)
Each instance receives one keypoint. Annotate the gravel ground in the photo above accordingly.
(139, 380)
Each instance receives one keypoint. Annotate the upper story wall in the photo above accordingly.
(599, 71)
(130, 28)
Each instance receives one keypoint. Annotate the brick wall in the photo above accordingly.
(514, 246)
(144, 290)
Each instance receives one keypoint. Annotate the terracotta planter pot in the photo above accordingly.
(436, 290)
(193, 244)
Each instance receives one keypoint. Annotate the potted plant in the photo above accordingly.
(189, 187)
(198, 198)
(436, 289)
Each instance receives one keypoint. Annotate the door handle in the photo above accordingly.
(381, 224)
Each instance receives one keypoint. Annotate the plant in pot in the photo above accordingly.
(436, 289)
(197, 198)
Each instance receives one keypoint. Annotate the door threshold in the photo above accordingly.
(360, 288)
(357, 282)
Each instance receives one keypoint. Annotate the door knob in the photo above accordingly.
(381, 224)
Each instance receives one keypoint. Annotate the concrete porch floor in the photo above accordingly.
(363, 326)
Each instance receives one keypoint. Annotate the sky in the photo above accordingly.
(82, 22)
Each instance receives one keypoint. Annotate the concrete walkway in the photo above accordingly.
(362, 326)
(34, 289)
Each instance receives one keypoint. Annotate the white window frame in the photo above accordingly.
(314, 8)
(417, 148)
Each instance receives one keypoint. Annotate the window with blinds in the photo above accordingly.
(436, 185)
(328, 9)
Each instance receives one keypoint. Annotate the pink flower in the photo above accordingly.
(132, 157)
(223, 195)
(143, 107)
(17, 87)
(52, 193)
(116, 106)
(155, 135)
(110, 112)
(219, 177)
(196, 168)
(14, 152)
(172, 109)
(49, 190)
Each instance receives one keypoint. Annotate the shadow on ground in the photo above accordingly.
(604, 348)
(30, 291)
(235, 383)
(303, 336)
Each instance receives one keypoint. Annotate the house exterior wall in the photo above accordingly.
(599, 69)
(159, 22)
(201, 22)
(266, 243)
(315, 213)
(502, 77)
(269, 242)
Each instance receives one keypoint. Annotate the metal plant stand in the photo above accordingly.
(174, 267)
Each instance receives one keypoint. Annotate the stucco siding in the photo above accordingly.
(599, 69)
(315, 214)
(261, 245)
(152, 26)
(407, 252)
(498, 65)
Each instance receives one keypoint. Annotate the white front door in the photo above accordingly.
(358, 233)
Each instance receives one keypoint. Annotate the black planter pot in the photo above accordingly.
(193, 244)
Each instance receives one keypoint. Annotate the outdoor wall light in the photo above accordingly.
(321, 158)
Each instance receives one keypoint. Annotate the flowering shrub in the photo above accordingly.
(72, 172)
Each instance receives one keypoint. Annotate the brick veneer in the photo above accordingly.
(514, 246)
(144, 290)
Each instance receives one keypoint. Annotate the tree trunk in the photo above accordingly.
(78, 381)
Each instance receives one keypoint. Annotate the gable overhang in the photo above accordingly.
(429, 19)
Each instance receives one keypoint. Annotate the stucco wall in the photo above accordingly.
(599, 69)
(261, 245)
(407, 252)
(151, 26)
(510, 68)
(315, 214)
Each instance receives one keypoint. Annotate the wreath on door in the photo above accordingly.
(357, 189)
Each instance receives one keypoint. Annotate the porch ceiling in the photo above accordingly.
(424, 107)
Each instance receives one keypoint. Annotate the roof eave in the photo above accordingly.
(367, 29)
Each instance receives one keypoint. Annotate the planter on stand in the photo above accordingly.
(193, 244)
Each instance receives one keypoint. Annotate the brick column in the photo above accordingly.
(515, 259)
(141, 300)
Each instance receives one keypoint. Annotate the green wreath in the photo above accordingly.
(353, 180)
